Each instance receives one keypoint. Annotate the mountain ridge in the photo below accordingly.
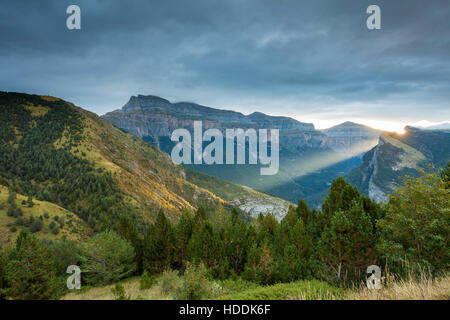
(304, 151)
(397, 155)
(143, 178)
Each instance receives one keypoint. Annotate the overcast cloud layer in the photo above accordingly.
(311, 60)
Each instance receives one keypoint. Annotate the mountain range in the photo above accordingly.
(309, 159)
(66, 157)
(93, 168)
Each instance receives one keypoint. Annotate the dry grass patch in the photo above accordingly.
(438, 289)
(163, 288)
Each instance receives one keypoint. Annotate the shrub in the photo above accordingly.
(119, 292)
(169, 281)
(17, 212)
(30, 202)
(11, 211)
(107, 258)
(55, 231)
(304, 290)
(195, 284)
(36, 226)
(145, 282)
(19, 221)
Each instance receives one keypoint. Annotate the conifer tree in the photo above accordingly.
(30, 271)
(291, 217)
(207, 247)
(183, 233)
(107, 258)
(445, 176)
(236, 243)
(304, 213)
(3, 264)
(158, 248)
(340, 197)
(261, 266)
(30, 202)
(346, 246)
(127, 230)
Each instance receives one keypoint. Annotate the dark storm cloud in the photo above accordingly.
(287, 57)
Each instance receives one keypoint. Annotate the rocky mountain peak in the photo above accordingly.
(143, 102)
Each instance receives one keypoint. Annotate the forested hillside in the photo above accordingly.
(56, 152)
(78, 191)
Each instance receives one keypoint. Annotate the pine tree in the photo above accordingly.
(235, 217)
(30, 271)
(158, 248)
(291, 217)
(261, 266)
(299, 238)
(207, 247)
(304, 213)
(127, 230)
(183, 233)
(200, 215)
(236, 243)
(11, 196)
(3, 264)
(107, 258)
(445, 176)
(340, 197)
(30, 202)
(346, 245)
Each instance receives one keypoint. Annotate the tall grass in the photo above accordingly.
(416, 285)
(168, 285)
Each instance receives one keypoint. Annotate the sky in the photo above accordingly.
(315, 61)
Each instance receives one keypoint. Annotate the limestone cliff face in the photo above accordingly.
(398, 155)
(305, 153)
(154, 117)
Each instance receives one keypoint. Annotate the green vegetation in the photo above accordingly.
(416, 228)
(203, 253)
(107, 258)
(36, 159)
(30, 272)
(119, 292)
(303, 290)
(44, 219)
(307, 255)
(145, 282)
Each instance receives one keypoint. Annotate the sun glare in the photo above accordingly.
(376, 124)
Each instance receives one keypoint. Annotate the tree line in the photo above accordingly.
(407, 235)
